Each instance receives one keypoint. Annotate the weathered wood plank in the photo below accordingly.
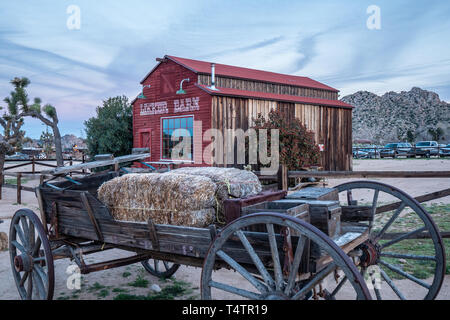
(97, 164)
(370, 174)
(420, 199)
(364, 174)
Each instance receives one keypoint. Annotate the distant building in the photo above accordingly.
(31, 151)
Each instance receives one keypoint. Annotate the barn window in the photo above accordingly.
(169, 125)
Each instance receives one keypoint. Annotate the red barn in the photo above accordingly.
(179, 92)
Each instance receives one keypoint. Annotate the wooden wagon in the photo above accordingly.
(282, 247)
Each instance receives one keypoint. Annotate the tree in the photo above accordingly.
(410, 136)
(297, 146)
(111, 130)
(436, 134)
(12, 122)
(47, 114)
(47, 142)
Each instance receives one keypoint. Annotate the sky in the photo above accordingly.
(75, 61)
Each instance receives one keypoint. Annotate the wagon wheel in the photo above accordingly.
(31, 257)
(274, 279)
(404, 242)
(153, 266)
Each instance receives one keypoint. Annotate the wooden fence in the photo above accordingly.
(284, 175)
(30, 174)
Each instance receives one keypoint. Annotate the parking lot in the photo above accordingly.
(423, 149)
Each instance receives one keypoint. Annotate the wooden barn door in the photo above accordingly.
(145, 141)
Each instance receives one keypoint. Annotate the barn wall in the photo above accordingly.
(331, 126)
(174, 73)
(250, 85)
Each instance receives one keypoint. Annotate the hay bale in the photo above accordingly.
(3, 241)
(176, 199)
(231, 182)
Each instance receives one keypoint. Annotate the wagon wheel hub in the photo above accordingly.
(23, 262)
(370, 254)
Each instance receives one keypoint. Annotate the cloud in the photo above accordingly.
(257, 45)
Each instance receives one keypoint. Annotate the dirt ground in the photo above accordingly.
(133, 279)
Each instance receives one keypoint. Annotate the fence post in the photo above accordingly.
(283, 177)
(83, 160)
(19, 188)
(284, 170)
(1, 184)
(32, 165)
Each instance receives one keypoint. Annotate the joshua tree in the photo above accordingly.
(12, 122)
(47, 114)
(47, 142)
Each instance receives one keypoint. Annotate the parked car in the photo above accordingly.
(372, 151)
(395, 150)
(18, 156)
(42, 155)
(358, 154)
(427, 149)
(445, 151)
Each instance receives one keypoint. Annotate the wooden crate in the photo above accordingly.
(324, 215)
(233, 207)
(315, 193)
(300, 211)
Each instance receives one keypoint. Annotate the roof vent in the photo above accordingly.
(213, 77)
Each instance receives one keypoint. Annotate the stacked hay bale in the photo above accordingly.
(187, 196)
(231, 183)
(176, 199)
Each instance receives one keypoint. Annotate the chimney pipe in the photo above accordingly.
(213, 77)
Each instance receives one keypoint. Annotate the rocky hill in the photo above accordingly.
(406, 116)
(69, 140)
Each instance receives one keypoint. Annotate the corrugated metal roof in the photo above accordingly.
(276, 97)
(204, 67)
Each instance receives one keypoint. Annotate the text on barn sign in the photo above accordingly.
(188, 104)
(154, 108)
(181, 105)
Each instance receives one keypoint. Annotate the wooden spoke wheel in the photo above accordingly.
(31, 257)
(404, 256)
(159, 268)
(260, 261)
